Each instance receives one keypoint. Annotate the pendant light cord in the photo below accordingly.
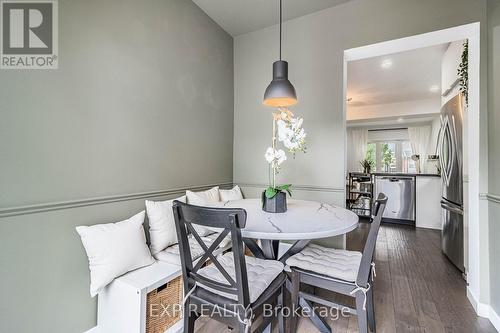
(281, 22)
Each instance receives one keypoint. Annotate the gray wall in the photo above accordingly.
(313, 46)
(494, 147)
(142, 102)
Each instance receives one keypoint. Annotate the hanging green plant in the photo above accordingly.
(463, 72)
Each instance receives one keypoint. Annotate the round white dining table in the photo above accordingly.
(302, 222)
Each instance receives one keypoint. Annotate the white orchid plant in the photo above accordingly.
(288, 130)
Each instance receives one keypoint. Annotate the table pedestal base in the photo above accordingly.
(270, 248)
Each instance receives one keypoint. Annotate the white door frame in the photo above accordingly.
(472, 33)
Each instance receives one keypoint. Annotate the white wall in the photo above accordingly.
(401, 109)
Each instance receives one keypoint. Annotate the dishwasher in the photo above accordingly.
(400, 191)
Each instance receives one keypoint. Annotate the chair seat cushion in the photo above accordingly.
(339, 264)
(171, 254)
(261, 273)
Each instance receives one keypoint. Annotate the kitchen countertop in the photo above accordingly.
(402, 174)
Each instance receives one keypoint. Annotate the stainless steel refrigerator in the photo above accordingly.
(451, 162)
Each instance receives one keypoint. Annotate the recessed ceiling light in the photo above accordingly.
(387, 63)
(400, 120)
(434, 88)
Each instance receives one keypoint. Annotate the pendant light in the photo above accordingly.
(280, 92)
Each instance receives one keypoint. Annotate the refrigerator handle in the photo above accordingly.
(451, 208)
(446, 134)
(453, 143)
(438, 143)
(440, 147)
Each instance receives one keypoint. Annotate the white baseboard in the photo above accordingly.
(473, 301)
(484, 310)
(495, 319)
(93, 330)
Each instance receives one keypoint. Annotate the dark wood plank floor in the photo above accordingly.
(416, 288)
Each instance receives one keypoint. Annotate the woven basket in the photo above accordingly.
(163, 306)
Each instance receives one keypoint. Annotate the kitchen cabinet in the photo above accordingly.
(428, 202)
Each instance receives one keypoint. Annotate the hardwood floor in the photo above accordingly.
(416, 288)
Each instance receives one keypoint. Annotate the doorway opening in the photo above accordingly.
(397, 148)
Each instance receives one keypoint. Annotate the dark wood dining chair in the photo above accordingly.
(231, 288)
(341, 271)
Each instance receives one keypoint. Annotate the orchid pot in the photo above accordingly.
(276, 204)
(274, 199)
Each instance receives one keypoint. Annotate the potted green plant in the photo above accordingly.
(288, 130)
(367, 165)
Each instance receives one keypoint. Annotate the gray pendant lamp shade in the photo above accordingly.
(280, 92)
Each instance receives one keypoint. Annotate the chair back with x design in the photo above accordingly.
(227, 221)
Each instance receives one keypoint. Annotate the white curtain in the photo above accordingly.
(357, 139)
(419, 141)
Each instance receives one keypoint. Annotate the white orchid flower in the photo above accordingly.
(281, 125)
(270, 155)
(290, 133)
(280, 156)
(298, 123)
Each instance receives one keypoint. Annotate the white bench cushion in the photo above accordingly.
(260, 274)
(171, 254)
(339, 264)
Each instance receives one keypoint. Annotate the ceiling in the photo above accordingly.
(408, 76)
(241, 16)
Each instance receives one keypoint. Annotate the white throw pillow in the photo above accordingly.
(161, 224)
(114, 249)
(232, 194)
(203, 198)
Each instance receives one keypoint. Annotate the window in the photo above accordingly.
(371, 155)
(408, 163)
(390, 156)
